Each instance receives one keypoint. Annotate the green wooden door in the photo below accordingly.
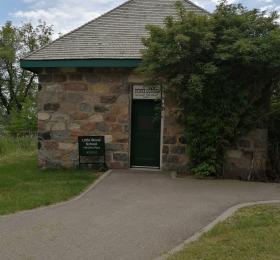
(145, 135)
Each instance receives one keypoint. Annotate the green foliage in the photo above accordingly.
(24, 121)
(16, 145)
(221, 69)
(274, 117)
(273, 120)
(19, 87)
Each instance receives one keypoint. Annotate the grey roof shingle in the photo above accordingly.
(114, 35)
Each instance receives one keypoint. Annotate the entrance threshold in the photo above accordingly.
(145, 168)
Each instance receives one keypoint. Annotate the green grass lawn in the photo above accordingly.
(251, 234)
(24, 186)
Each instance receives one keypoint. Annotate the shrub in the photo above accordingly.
(274, 137)
(221, 69)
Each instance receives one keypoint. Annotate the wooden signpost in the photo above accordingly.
(92, 147)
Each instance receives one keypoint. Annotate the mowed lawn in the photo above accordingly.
(251, 234)
(24, 186)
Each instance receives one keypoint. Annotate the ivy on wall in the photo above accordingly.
(221, 69)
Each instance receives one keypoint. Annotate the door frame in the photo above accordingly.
(130, 127)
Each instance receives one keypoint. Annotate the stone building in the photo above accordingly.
(88, 87)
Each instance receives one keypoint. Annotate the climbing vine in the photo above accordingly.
(221, 69)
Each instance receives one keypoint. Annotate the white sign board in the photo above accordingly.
(144, 92)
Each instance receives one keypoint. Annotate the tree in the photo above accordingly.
(17, 85)
(221, 69)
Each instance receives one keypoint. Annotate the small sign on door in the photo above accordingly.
(146, 92)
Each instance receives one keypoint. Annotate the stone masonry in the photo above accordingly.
(174, 154)
(248, 159)
(82, 102)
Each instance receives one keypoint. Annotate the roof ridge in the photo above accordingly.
(76, 29)
(197, 6)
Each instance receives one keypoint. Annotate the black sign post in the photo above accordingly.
(92, 146)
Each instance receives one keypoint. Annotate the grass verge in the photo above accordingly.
(10, 145)
(24, 186)
(252, 233)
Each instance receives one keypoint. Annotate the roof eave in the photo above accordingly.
(32, 65)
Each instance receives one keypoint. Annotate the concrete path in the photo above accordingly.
(129, 215)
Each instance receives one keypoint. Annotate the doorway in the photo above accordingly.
(145, 134)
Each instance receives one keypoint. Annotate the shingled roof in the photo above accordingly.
(114, 35)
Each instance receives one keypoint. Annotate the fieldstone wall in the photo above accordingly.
(174, 154)
(248, 159)
(81, 102)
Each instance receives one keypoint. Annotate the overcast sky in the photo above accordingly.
(66, 15)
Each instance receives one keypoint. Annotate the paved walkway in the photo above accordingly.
(129, 215)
